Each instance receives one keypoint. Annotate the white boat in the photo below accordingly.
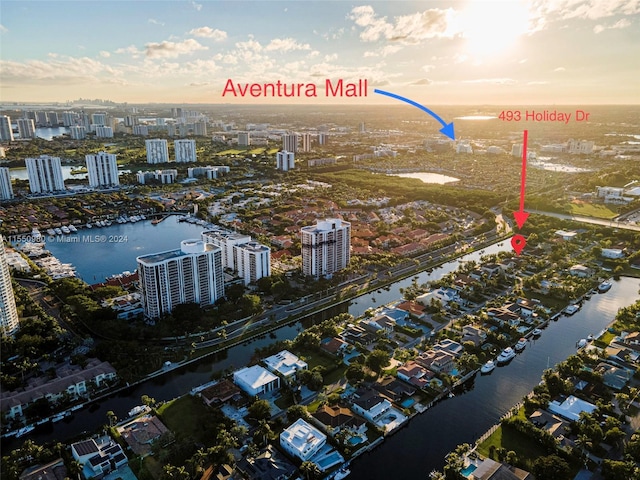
(138, 410)
(604, 286)
(60, 416)
(88, 225)
(506, 355)
(536, 332)
(65, 229)
(342, 473)
(521, 344)
(24, 430)
(58, 231)
(73, 228)
(488, 367)
(582, 343)
(571, 309)
(51, 231)
(36, 235)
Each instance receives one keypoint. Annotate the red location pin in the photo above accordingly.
(518, 242)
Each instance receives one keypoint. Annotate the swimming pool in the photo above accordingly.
(468, 470)
(355, 440)
(407, 402)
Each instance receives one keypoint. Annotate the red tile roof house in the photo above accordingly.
(415, 374)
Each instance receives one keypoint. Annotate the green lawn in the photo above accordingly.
(511, 439)
(590, 210)
(188, 417)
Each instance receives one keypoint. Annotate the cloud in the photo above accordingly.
(208, 32)
(286, 45)
(559, 69)
(495, 81)
(104, 54)
(131, 50)
(329, 58)
(155, 22)
(422, 81)
(622, 23)
(384, 51)
(168, 49)
(196, 6)
(198, 84)
(585, 9)
(73, 70)
(427, 68)
(3, 29)
(406, 29)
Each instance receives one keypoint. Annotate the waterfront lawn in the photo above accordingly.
(188, 417)
(509, 438)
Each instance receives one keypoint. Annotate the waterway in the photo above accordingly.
(421, 447)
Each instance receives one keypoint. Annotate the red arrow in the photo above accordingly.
(521, 216)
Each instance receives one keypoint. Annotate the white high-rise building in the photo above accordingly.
(160, 176)
(254, 261)
(78, 132)
(200, 128)
(26, 128)
(191, 274)
(6, 133)
(104, 132)
(41, 119)
(6, 191)
(157, 150)
(322, 138)
(290, 143)
(99, 119)
(69, 118)
(45, 174)
(244, 139)
(53, 119)
(141, 130)
(306, 142)
(8, 312)
(285, 160)
(103, 170)
(226, 241)
(326, 247)
(185, 150)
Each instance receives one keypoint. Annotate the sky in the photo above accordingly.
(474, 52)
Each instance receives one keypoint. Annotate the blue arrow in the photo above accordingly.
(447, 128)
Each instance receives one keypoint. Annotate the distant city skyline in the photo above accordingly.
(444, 52)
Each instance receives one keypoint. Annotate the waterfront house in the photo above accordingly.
(51, 471)
(415, 374)
(473, 333)
(141, 432)
(334, 346)
(552, 424)
(571, 407)
(256, 380)
(379, 323)
(393, 389)
(269, 464)
(580, 271)
(437, 361)
(614, 377)
(336, 418)
(492, 470)
(285, 364)
(449, 346)
(99, 456)
(378, 410)
(302, 440)
(219, 392)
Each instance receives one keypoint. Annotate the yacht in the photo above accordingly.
(571, 309)
(604, 286)
(88, 225)
(65, 229)
(488, 367)
(521, 344)
(73, 228)
(51, 231)
(138, 410)
(58, 231)
(536, 332)
(506, 355)
(582, 343)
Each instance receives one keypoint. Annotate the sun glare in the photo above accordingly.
(493, 27)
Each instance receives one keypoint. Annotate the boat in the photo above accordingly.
(590, 338)
(65, 229)
(536, 332)
(58, 231)
(522, 343)
(60, 416)
(138, 410)
(342, 473)
(488, 367)
(571, 309)
(73, 228)
(604, 286)
(88, 225)
(24, 430)
(506, 355)
(582, 343)
(36, 235)
(51, 231)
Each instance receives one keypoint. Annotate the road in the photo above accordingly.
(591, 220)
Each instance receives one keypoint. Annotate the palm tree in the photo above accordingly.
(112, 418)
(310, 470)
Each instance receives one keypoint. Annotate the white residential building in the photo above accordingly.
(192, 274)
(582, 147)
(256, 380)
(6, 132)
(157, 150)
(26, 128)
(290, 142)
(210, 171)
(226, 241)
(285, 160)
(104, 132)
(103, 170)
(185, 150)
(244, 139)
(326, 247)
(306, 142)
(302, 440)
(8, 313)
(78, 132)
(6, 191)
(99, 119)
(285, 363)
(254, 261)
(69, 118)
(142, 130)
(45, 174)
(161, 176)
(323, 138)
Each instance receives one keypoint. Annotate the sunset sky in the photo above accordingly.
(473, 52)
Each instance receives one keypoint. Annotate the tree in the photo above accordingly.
(260, 410)
(295, 412)
(617, 470)
(355, 373)
(310, 470)
(147, 400)
(262, 434)
(553, 467)
(377, 360)
(112, 418)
